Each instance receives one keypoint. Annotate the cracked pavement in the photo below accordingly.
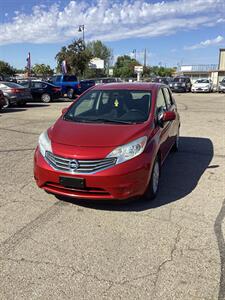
(171, 248)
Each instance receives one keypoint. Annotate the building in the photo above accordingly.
(211, 71)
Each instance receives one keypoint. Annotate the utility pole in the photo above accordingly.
(145, 58)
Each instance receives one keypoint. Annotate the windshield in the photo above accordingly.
(111, 106)
(202, 81)
(179, 79)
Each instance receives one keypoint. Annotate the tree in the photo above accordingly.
(98, 49)
(42, 70)
(158, 71)
(77, 57)
(6, 69)
(124, 66)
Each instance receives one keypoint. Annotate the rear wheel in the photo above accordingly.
(7, 103)
(153, 186)
(46, 98)
(70, 94)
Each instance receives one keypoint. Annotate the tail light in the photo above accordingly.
(56, 89)
(16, 91)
(79, 86)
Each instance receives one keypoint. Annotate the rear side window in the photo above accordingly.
(69, 78)
(37, 85)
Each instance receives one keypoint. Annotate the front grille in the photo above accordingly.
(78, 166)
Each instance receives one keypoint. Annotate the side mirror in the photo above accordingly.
(64, 110)
(169, 116)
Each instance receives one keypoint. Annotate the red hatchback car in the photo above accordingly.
(110, 143)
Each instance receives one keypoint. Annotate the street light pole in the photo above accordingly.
(81, 28)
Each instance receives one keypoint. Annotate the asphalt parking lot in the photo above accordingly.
(172, 248)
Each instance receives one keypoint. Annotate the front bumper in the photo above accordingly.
(178, 89)
(200, 90)
(221, 89)
(122, 181)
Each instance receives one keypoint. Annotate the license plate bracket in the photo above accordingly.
(72, 182)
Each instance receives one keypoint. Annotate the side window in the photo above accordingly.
(168, 98)
(160, 102)
(37, 85)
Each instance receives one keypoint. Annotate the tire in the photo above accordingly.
(70, 94)
(21, 103)
(45, 98)
(7, 103)
(153, 186)
(175, 147)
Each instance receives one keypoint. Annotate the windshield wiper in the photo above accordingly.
(112, 121)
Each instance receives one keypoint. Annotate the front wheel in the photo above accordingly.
(46, 98)
(153, 186)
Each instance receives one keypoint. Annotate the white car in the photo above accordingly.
(202, 85)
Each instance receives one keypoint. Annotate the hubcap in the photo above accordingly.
(46, 98)
(155, 178)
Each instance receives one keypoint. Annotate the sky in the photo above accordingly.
(174, 32)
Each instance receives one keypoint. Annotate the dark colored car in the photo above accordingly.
(164, 80)
(110, 143)
(2, 100)
(15, 94)
(85, 85)
(44, 91)
(181, 84)
(221, 88)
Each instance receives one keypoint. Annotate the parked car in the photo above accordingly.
(15, 94)
(202, 85)
(110, 143)
(165, 80)
(221, 88)
(2, 100)
(68, 83)
(41, 90)
(181, 84)
(85, 84)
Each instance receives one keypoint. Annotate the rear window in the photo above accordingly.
(115, 106)
(178, 79)
(69, 78)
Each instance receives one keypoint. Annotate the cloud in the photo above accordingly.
(218, 40)
(110, 20)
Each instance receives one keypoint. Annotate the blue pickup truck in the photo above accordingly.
(68, 83)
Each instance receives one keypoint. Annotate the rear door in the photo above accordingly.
(161, 107)
(37, 89)
(173, 125)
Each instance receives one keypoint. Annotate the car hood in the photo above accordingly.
(95, 135)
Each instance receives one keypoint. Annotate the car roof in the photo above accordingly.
(129, 86)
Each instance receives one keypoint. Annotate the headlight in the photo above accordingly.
(183, 84)
(129, 151)
(44, 143)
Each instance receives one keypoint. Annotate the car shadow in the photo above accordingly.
(180, 175)
(31, 105)
(12, 110)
